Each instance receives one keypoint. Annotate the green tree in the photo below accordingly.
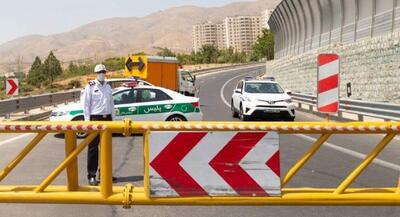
(115, 63)
(138, 53)
(209, 53)
(165, 52)
(52, 67)
(20, 75)
(264, 46)
(2, 83)
(36, 73)
(72, 68)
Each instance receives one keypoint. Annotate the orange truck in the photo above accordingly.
(161, 71)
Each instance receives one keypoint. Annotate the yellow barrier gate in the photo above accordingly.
(106, 193)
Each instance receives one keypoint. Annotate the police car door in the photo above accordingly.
(153, 105)
(125, 104)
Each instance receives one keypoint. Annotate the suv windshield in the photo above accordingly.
(262, 88)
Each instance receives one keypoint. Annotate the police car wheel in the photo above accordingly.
(289, 119)
(81, 135)
(176, 118)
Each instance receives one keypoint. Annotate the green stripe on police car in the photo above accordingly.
(150, 109)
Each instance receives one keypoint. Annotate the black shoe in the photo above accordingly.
(92, 181)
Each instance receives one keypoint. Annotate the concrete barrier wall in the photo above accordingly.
(372, 65)
(303, 25)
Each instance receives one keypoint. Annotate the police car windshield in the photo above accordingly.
(262, 87)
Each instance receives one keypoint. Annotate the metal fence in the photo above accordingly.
(24, 104)
(381, 110)
(302, 25)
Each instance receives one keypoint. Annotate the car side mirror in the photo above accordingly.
(238, 91)
(288, 92)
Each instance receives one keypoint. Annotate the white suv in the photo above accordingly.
(259, 99)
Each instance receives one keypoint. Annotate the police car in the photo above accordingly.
(261, 99)
(141, 103)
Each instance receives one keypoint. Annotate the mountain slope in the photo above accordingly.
(171, 28)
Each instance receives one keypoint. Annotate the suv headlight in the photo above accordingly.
(288, 100)
(246, 99)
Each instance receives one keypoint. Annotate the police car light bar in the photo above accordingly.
(248, 78)
(135, 77)
(269, 78)
(131, 84)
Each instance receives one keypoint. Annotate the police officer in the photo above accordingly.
(98, 106)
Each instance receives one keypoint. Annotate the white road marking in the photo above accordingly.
(14, 139)
(223, 87)
(327, 144)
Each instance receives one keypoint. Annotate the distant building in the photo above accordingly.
(239, 32)
(204, 34)
(265, 17)
(242, 32)
(221, 35)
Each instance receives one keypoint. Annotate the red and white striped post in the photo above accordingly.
(328, 83)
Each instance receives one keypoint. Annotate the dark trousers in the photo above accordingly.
(93, 148)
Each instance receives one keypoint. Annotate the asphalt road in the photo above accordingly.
(326, 169)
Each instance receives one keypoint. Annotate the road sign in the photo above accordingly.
(136, 66)
(328, 83)
(12, 88)
(214, 164)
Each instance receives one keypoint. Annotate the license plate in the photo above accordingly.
(271, 111)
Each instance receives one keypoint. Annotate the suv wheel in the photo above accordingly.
(242, 116)
(234, 112)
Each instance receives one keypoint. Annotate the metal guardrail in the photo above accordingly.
(382, 110)
(24, 104)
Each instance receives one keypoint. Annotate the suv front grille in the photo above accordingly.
(270, 106)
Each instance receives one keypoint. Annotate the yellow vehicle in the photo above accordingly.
(161, 71)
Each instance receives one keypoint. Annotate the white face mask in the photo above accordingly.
(101, 76)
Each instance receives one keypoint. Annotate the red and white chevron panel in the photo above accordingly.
(328, 83)
(184, 164)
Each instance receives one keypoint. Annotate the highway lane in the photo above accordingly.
(326, 169)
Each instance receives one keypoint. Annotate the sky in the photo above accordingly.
(44, 17)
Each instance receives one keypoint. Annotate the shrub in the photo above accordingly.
(26, 88)
(74, 84)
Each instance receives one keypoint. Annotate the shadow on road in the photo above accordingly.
(129, 179)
